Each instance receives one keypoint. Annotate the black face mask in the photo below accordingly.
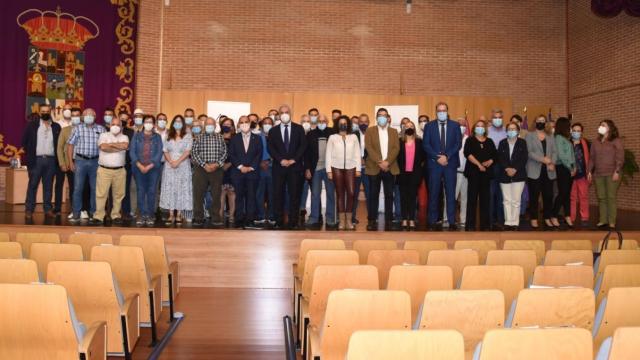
(540, 125)
(343, 127)
(409, 131)
(253, 125)
(45, 117)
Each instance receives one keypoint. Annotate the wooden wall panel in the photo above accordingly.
(174, 102)
(482, 105)
(457, 106)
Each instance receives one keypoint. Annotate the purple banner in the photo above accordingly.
(74, 52)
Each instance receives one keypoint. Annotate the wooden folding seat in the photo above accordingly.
(624, 345)
(352, 310)
(612, 244)
(572, 245)
(43, 253)
(569, 257)
(536, 344)
(417, 280)
(554, 308)
(38, 322)
(457, 260)
(523, 258)
(4, 237)
(615, 257)
(18, 271)
(507, 278)
(363, 247)
(406, 345)
(626, 275)
(563, 276)
(10, 250)
(471, 312)
(481, 246)
(383, 260)
(26, 239)
(424, 247)
(89, 240)
(619, 309)
(536, 245)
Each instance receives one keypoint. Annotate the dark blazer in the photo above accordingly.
(418, 161)
(431, 144)
(517, 160)
(361, 144)
(30, 140)
(311, 154)
(250, 158)
(297, 147)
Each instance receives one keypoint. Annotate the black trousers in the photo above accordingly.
(408, 183)
(245, 187)
(292, 180)
(479, 186)
(563, 199)
(59, 187)
(542, 185)
(386, 179)
(203, 180)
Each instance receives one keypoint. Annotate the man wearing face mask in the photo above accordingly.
(275, 116)
(39, 142)
(363, 125)
(189, 119)
(82, 148)
(138, 120)
(497, 133)
(335, 114)
(126, 206)
(313, 117)
(108, 117)
(287, 144)
(442, 142)
(61, 149)
(64, 122)
(264, 193)
(161, 129)
(305, 121)
(253, 124)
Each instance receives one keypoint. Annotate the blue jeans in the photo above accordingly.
(84, 168)
(450, 176)
(320, 177)
(305, 194)
(265, 188)
(364, 180)
(44, 169)
(146, 189)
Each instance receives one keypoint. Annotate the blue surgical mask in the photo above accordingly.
(497, 122)
(89, 119)
(107, 119)
(322, 126)
(382, 121)
(196, 130)
(138, 121)
(355, 127)
(512, 134)
(479, 130)
(314, 119)
(442, 115)
(188, 120)
(177, 125)
(209, 129)
(576, 135)
(75, 120)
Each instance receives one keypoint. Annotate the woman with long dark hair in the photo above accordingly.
(565, 170)
(176, 190)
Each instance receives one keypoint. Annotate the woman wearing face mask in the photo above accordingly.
(580, 188)
(565, 170)
(411, 162)
(145, 153)
(264, 192)
(607, 158)
(541, 171)
(228, 194)
(176, 172)
(512, 157)
(480, 152)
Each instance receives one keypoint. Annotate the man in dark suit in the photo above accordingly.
(441, 142)
(245, 153)
(39, 142)
(287, 144)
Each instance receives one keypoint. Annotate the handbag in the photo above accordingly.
(605, 244)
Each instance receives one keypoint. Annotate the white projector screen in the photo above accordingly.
(232, 109)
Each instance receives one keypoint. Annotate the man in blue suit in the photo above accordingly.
(441, 142)
(245, 153)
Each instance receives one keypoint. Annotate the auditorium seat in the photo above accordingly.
(424, 247)
(26, 239)
(406, 345)
(544, 308)
(620, 308)
(615, 257)
(363, 247)
(569, 257)
(627, 275)
(18, 271)
(383, 260)
(471, 312)
(38, 322)
(536, 245)
(89, 240)
(536, 344)
(417, 280)
(352, 310)
(624, 345)
(612, 244)
(455, 259)
(507, 278)
(96, 297)
(572, 245)
(10, 250)
(481, 246)
(43, 253)
(4, 237)
(563, 276)
(523, 258)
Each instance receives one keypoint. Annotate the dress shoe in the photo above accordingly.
(453, 227)
(28, 214)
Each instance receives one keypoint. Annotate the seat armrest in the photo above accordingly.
(174, 270)
(313, 343)
(131, 312)
(156, 288)
(94, 343)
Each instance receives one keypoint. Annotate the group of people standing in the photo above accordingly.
(250, 172)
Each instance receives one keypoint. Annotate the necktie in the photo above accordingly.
(286, 138)
(442, 138)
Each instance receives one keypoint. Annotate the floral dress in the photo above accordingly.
(176, 191)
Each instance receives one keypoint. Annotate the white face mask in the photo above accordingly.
(245, 127)
(285, 118)
(278, 122)
(115, 129)
(266, 128)
(66, 113)
(602, 130)
(306, 126)
(148, 126)
(162, 124)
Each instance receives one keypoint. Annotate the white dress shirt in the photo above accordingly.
(463, 160)
(112, 159)
(383, 135)
(44, 144)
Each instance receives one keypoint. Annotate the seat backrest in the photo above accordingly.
(572, 245)
(89, 240)
(383, 260)
(535, 344)
(417, 280)
(26, 239)
(10, 250)
(455, 259)
(627, 275)
(564, 257)
(4, 237)
(471, 312)
(153, 248)
(316, 244)
(621, 309)
(352, 310)
(523, 258)
(43, 253)
(625, 344)
(507, 278)
(555, 308)
(328, 278)
(406, 344)
(617, 257)
(627, 244)
(22, 307)
(424, 247)
(563, 276)
(18, 271)
(363, 247)
(536, 245)
(316, 258)
(481, 246)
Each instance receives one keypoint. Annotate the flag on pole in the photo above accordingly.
(525, 121)
(466, 119)
(549, 117)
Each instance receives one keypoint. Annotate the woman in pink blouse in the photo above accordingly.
(410, 161)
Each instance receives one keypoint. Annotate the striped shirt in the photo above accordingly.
(84, 138)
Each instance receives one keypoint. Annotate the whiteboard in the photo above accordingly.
(232, 109)
(398, 112)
